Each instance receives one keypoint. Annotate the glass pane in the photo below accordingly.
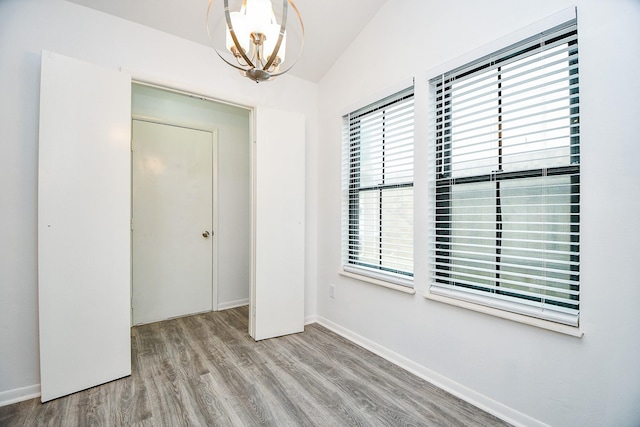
(371, 145)
(536, 111)
(537, 236)
(398, 165)
(369, 227)
(398, 151)
(474, 125)
(531, 253)
(529, 105)
(473, 234)
(386, 146)
(397, 229)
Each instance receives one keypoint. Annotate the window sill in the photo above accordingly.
(383, 283)
(532, 321)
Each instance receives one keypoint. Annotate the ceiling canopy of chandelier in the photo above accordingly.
(255, 39)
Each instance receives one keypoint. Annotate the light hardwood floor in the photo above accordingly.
(206, 370)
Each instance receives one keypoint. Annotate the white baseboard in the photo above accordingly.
(479, 400)
(233, 304)
(311, 319)
(19, 394)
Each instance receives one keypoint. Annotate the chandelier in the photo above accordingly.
(256, 41)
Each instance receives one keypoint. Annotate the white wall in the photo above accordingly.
(233, 176)
(524, 373)
(27, 27)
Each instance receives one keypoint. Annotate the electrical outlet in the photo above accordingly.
(332, 291)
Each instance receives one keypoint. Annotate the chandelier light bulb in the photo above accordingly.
(241, 29)
(259, 15)
(270, 42)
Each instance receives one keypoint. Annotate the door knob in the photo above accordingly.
(205, 234)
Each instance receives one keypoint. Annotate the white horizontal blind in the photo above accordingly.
(377, 178)
(507, 179)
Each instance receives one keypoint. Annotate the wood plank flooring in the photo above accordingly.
(206, 370)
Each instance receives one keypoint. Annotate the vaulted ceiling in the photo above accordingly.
(330, 25)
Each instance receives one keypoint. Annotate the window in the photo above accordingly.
(507, 179)
(378, 189)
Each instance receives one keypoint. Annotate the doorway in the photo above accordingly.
(230, 197)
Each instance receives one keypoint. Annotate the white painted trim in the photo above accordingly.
(253, 184)
(176, 87)
(508, 315)
(233, 304)
(308, 320)
(383, 283)
(21, 394)
(479, 400)
(215, 212)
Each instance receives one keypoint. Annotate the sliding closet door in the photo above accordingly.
(277, 293)
(83, 225)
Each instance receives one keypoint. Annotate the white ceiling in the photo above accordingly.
(330, 25)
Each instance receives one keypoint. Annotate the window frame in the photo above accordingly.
(443, 182)
(353, 190)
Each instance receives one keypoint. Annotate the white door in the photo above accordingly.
(172, 221)
(277, 289)
(84, 194)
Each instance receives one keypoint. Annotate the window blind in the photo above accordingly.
(507, 179)
(378, 189)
